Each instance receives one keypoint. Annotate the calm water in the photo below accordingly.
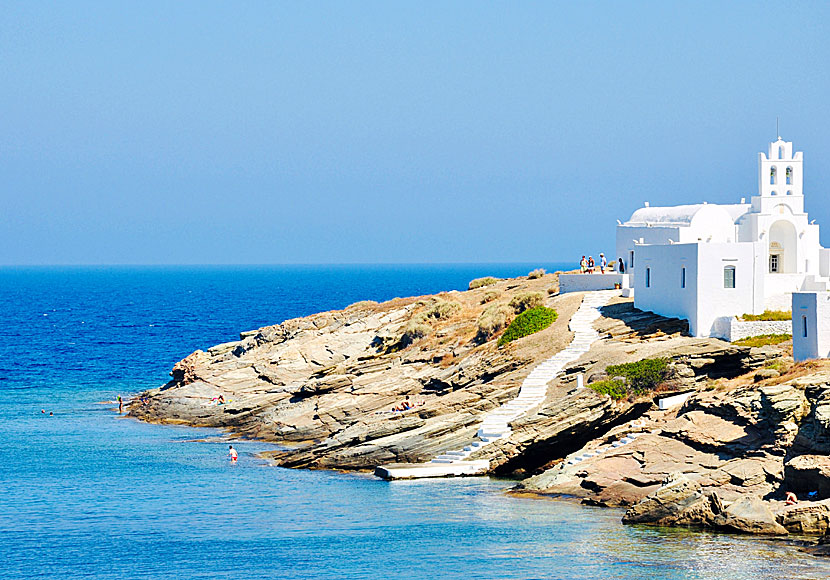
(89, 494)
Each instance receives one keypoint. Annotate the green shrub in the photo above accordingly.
(494, 318)
(769, 315)
(489, 296)
(642, 375)
(479, 282)
(537, 273)
(526, 301)
(441, 309)
(412, 332)
(611, 387)
(527, 323)
(763, 340)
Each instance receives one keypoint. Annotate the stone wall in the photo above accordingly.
(731, 329)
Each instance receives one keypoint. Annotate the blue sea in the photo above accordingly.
(87, 493)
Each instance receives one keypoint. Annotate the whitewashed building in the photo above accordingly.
(710, 262)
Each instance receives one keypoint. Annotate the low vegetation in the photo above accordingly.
(527, 323)
(362, 304)
(537, 273)
(763, 340)
(641, 376)
(441, 309)
(479, 282)
(494, 318)
(413, 331)
(769, 315)
(526, 301)
(614, 388)
(489, 296)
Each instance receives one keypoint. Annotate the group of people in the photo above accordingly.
(588, 266)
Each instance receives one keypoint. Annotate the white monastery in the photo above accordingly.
(708, 263)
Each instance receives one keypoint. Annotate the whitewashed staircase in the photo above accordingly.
(496, 423)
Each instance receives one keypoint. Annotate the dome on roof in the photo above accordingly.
(682, 215)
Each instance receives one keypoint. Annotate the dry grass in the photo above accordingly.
(537, 273)
(769, 315)
(441, 310)
(489, 296)
(494, 319)
(526, 301)
(763, 340)
(479, 282)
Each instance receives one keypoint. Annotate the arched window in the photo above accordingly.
(683, 277)
(789, 192)
(781, 152)
(773, 192)
(772, 176)
(648, 277)
(789, 175)
(804, 326)
(729, 277)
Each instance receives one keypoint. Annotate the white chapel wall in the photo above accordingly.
(663, 264)
(714, 300)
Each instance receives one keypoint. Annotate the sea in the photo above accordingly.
(88, 493)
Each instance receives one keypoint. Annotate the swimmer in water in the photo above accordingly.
(232, 454)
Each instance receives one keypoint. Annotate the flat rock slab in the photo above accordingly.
(424, 470)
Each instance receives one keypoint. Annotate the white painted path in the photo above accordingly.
(496, 423)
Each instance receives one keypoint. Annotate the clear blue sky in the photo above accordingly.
(230, 132)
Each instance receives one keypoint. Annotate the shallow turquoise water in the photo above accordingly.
(89, 494)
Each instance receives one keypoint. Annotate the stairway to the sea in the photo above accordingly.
(496, 423)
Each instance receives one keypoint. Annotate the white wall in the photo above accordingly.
(664, 295)
(714, 300)
(731, 329)
(815, 306)
(704, 299)
(590, 282)
(650, 235)
(824, 262)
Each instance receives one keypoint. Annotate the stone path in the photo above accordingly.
(496, 423)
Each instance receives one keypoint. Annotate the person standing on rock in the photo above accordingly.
(120, 405)
(232, 454)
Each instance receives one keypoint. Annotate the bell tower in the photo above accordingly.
(780, 177)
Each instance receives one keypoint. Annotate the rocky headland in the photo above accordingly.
(323, 387)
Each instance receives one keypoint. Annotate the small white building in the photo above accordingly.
(710, 262)
(811, 325)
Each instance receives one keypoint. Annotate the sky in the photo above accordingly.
(388, 132)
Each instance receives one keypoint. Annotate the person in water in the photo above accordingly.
(232, 454)
(120, 404)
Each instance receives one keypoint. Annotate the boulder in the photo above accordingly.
(749, 515)
(806, 517)
(676, 502)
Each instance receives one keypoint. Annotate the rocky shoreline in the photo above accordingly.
(324, 386)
